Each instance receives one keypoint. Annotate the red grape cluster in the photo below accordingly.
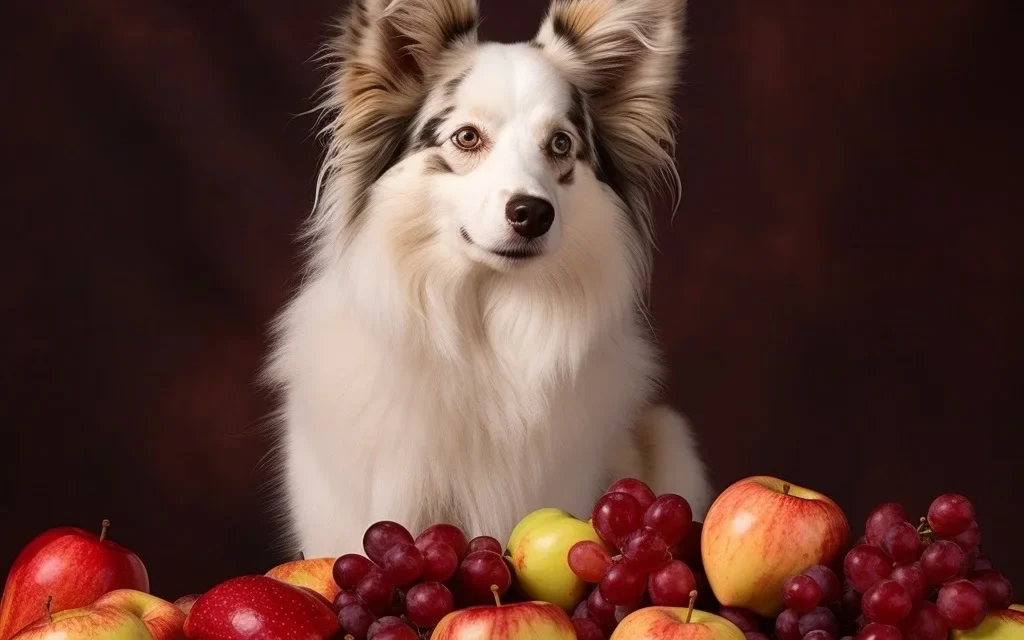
(646, 537)
(402, 583)
(812, 601)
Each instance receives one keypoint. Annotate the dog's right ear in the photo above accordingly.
(385, 58)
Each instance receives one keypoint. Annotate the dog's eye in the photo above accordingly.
(561, 144)
(467, 138)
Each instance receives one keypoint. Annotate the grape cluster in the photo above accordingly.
(902, 582)
(404, 586)
(648, 540)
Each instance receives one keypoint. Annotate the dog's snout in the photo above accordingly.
(531, 217)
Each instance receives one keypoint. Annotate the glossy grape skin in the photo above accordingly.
(887, 602)
(787, 625)
(589, 561)
(623, 584)
(902, 543)
(355, 620)
(950, 514)
(381, 536)
(671, 584)
(821, 618)
(643, 494)
(479, 571)
(601, 611)
(818, 634)
(350, 568)
(994, 586)
(440, 562)
(801, 594)
(671, 516)
(875, 631)
(968, 539)
(587, 629)
(345, 598)
(446, 534)
(485, 543)
(645, 549)
(403, 564)
(428, 602)
(375, 592)
(383, 623)
(396, 632)
(828, 582)
(943, 561)
(881, 519)
(912, 577)
(961, 604)
(866, 565)
(745, 621)
(615, 516)
(924, 623)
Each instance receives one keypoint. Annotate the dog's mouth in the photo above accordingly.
(509, 253)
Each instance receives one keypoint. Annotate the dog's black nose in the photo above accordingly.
(530, 217)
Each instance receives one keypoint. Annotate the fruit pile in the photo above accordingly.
(768, 560)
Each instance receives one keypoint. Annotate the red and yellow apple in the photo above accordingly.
(72, 565)
(675, 623)
(163, 620)
(315, 573)
(1001, 624)
(539, 550)
(760, 532)
(519, 621)
(86, 623)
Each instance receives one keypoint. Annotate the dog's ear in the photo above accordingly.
(384, 60)
(624, 56)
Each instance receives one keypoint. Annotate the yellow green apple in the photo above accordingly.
(1001, 624)
(86, 623)
(519, 621)
(539, 550)
(313, 573)
(760, 532)
(164, 620)
(675, 623)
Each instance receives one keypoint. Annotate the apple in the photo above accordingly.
(676, 623)
(538, 550)
(315, 573)
(519, 621)
(259, 607)
(164, 620)
(1001, 624)
(72, 565)
(760, 532)
(86, 623)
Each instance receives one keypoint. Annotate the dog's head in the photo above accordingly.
(505, 156)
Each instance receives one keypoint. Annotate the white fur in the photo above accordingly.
(425, 379)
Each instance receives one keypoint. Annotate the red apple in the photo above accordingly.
(315, 573)
(675, 623)
(259, 607)
(520, 621)
(760, 532)
(163, 620)
(72, 565)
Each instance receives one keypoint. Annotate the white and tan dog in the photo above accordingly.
(470, 342)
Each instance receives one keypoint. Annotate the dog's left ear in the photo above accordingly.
(624, 56)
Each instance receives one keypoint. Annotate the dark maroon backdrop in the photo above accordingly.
(840, 294)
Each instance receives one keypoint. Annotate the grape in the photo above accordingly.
(587, 629)
(924, 623)
(615, 516)
(886, 602)
(671, 516)
(902, 543)
(635, 488)
(440, 562)
(383, 623)
(479, 571)
(403, 564)
(345, 598)
(912, 577)
(688, 549)
(381, 536)
(982, 562)
(801, 593)
(961, 604)
(787, 625)
(881, 519)
(601, 611)
(395, 632)
(745, 620)
(375, 592)
(820, 619)
(645, 548)
(943, 561)
(950, 514)
(589, 560)
(754, 635)
(622, 612)
(994, 586)
(427, 603)
(485, 543)
(818, 634)
(581, 610)
(446, 534)
(850, 602)
(670, 585)
(827, 581)
(355, 620)
(968, 539)
(623, 584)
(875, 631)
(865, 565)
(350, 568)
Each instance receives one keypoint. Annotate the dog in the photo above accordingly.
(470, 339)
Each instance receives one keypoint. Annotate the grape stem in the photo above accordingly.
(693, 601)
(923, 529)
(497, 598)
(49, 608)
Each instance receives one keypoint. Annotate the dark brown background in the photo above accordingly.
(839, 295)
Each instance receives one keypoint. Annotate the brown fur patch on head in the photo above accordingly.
(386, 57)
(623, 55)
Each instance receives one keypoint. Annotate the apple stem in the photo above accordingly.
(497, 598)
(49, 608)
(693, 601)
(349, 636)
(103, 532)
(786, 488)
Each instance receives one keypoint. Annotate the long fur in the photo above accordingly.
(428, 372)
